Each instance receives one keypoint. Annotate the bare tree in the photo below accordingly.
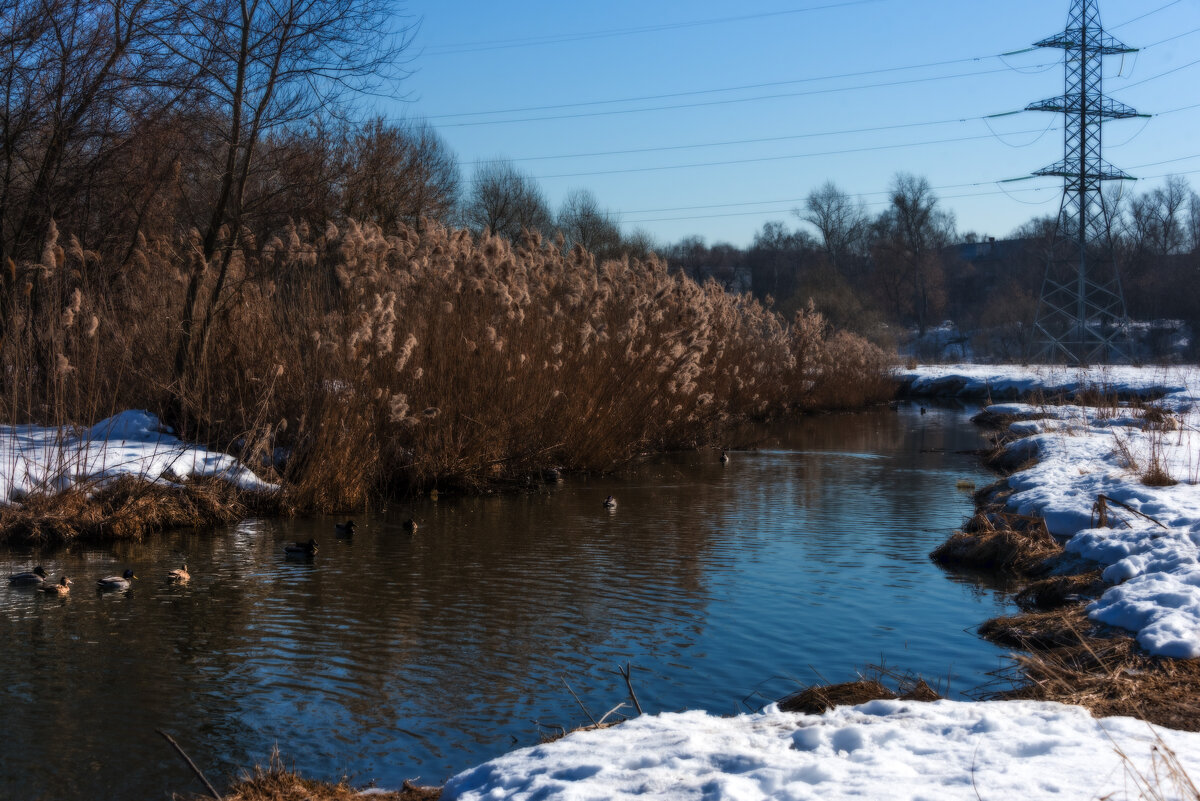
(584, 223)
(505, 201)
(76, 79)
(840, 219)
(266, 65)
(908, 238)
(399, 174)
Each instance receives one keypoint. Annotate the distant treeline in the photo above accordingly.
(908, 268)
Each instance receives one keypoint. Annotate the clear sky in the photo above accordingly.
(711, 118)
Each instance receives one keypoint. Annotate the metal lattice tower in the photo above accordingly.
(1081, 314)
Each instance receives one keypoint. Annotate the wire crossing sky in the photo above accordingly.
(692, 120)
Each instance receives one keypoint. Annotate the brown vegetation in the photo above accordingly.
(818, 698)
(277, 783)
(999, 541)
(386, 363)
(1069, 661)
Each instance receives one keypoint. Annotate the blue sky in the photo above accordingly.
(530, 61)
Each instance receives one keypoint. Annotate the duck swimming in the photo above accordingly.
(724, 457)
(610, 502)
(301, 548)
(121, 582)
(29, 579)
(344, 529)
(410, 525)
(61, 588)
(180, 576)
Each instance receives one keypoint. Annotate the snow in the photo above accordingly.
(878, 750)
(132, 443)
(1085, 452)
(1013, 381)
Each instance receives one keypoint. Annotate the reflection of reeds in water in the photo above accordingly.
(383, 363)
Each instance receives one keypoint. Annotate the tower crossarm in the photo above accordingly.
(1074, 38)
(1070, 169)
(1095, 107)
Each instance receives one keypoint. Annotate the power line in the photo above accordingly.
(533, 41)
(694, 92)
(789, 157)
(729, 101)
(1147, 14)
(745, 87)
(762, 140)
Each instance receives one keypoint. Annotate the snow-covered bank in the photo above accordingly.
(879, 750)
(1009, 382)
(1082, 453)
(132, 443)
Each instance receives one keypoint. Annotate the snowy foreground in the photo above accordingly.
(878, 750)
(949, 749)
(132, 443)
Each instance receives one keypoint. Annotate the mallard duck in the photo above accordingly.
(180, 576)
(29, 579)
(724, 457)
(610, 502)
(301, 548)
(61, 588)
(121, 582)
(344, 529)
(410, 525)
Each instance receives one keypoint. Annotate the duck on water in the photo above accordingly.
(301, 549)
(31, 578)
(121, 582)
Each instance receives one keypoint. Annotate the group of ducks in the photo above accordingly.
(307, 550)
(37, 578)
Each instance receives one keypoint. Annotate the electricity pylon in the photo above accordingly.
(1081, 315)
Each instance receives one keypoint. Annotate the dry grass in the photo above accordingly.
(818, 698)
(277, 783)
(999, 541)
(1060, 591)
(1071, 662)
(125, 508)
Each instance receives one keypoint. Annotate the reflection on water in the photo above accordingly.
(393, 656)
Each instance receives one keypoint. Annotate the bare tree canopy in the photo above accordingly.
(582, 222)
(399, 173)
(840, 219)
(505, 201)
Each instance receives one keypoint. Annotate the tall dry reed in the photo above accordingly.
(382, 363)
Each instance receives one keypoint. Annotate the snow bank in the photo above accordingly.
(879, 750)
(1083, 453)
(1012, 381)
(132, 443)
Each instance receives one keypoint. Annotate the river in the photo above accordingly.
(393, 656)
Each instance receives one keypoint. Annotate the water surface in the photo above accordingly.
(393, 656)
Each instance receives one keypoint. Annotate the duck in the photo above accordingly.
(345, 529)
(301, 548)
(61, 588)
(121, 582)
(610, 502)
(180, 576)
(31, 578)
(724, 457)
(410, 526)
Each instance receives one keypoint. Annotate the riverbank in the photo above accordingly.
(1099, 514)
(1129, 564)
